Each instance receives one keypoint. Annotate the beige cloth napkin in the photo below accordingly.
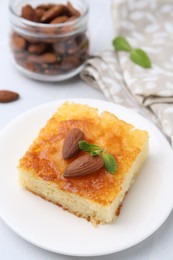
(147, 25)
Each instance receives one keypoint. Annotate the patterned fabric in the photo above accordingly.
(147, 25)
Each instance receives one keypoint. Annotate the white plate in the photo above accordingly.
(146, 207)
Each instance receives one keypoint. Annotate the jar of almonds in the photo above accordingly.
(49, 41)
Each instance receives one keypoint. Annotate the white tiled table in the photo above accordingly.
(159, 245)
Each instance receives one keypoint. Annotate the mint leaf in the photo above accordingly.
(139, 57)
(121, 44)
(95, 153)
(109, 162)
(93, 149)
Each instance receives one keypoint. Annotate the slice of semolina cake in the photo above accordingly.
(98, 195)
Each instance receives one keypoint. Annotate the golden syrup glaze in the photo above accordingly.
(44, 157)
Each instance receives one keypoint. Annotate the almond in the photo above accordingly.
(59, 19)
(52, 72)
(52, 13)
(72, 10)
(8, 96)
(71, 146)
(29, 13)
(29, 66)
(84, 165)
(39, 12)
(45, 6)
(72, 18)
(44, 58)
(59, 47)
(70, 62)
(18, 42)
(37, 48)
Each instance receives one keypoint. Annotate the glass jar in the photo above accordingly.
(49, 52)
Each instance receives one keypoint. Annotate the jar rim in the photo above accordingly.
(43, 25)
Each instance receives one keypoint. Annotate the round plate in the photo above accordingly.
(46, 225)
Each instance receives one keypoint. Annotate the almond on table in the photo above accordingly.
(8, 96)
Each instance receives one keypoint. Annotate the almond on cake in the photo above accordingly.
(94, 194)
